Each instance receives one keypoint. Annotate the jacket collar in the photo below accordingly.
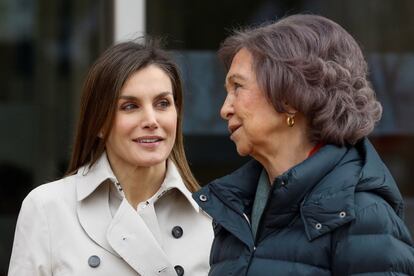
(237, 190)
(332, 202)
(321, 189)
(309, 188)
(329, 201)
(90, 178)
(382, 183)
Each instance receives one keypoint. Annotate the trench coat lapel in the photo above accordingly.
(95, 216)
(129, 236)
(125, 235)
(92, 188)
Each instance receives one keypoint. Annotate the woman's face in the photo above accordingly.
(144, 129)
(255, 126)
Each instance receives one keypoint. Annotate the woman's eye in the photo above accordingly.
(163, 104)
(236, 85)
(128, 106)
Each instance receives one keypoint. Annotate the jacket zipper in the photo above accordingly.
(255, 239)
(248, 221)
(254, 244)
(259, 225)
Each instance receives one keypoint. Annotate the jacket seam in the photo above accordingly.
(376, 203)
(379, 271)
(382, 234)
(43, 213)
(389, 207)
(370, 272)
(287, 261)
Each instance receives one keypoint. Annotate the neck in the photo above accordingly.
(140, 183)
(282, 162)
(286, 154)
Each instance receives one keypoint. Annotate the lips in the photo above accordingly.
(233, 128)
(148, 139)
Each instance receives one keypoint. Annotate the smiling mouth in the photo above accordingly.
(148, 140)
(233, 128)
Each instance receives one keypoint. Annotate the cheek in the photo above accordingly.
(124, 125)
(257, 125)
(243, 106)
(171, 122)
(172, 127)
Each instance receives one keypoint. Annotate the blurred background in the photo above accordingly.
(46, 47)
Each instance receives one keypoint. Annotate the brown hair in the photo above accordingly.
(101, 90)
(313, 64)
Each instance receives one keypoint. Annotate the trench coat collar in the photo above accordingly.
(172, 181)
(91, 178)
(94, 214)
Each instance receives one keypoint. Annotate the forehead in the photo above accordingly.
(148, 79)
(241, 65)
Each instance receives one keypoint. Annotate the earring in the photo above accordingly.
(290, 120)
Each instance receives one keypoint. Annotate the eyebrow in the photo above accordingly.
(232, 77)
(128, 97)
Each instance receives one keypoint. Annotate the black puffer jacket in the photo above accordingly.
(337, 213)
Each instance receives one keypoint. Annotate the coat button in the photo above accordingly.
(318, 226)
(94, 261)
(177, 232)
(179, 269)
(342, 214)
(203, 198)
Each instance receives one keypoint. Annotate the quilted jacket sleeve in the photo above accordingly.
(31, 247)
(376, 243)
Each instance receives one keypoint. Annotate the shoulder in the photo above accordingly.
(374, 215)
(377, 240)
(53, 193)
(367, 199)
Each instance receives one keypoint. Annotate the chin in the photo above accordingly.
(242, 151)
(150, 162)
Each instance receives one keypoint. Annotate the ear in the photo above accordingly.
(289, 109)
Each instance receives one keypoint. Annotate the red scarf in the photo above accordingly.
(315, 149)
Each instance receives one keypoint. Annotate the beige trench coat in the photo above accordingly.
(66, 227)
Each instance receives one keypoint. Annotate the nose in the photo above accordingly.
(149, 120)
(227, 109)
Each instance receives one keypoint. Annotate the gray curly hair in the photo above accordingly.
(313, 64)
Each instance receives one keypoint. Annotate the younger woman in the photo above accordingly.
(125, 206)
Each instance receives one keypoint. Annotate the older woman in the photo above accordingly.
(125, 206)
(316, 199)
